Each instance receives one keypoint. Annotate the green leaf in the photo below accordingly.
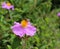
(9, 47)
(16, 43)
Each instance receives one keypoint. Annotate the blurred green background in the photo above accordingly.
(43, 15)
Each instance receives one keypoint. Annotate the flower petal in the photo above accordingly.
(58, 14)
(3, 5)
(18, 30)
(10, 7)
(30, 30)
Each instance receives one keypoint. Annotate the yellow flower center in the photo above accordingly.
(24, 23)
(8, 4)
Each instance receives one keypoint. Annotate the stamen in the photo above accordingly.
(24, 23)
(8, 4)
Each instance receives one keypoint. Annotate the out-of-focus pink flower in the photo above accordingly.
(58, 14)
(7, 6)
(23, 28)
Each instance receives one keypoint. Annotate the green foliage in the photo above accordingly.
(40, 14)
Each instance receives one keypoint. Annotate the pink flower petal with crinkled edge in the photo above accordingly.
(30, 30)
(3, 5)
(18, 30)
(10, 7)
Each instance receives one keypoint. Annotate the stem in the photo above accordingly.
(10, 14)
(24, 43)
(35, 2)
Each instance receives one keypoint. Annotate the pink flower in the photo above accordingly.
(58, 14)
(7, 6)
(23, 28)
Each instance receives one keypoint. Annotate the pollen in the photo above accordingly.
(24, 23)
(8, 4)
